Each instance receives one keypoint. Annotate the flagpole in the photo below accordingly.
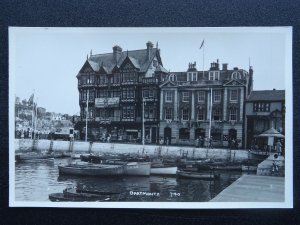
(86, 114)
(143, 125)
(32, 114)
(203, 60)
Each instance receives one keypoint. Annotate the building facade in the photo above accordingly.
(187, 97)
(115, 90)
(263, 110)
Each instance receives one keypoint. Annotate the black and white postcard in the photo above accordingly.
(150, 117)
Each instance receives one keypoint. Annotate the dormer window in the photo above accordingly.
(172, 77)
(214, 75)
(194, 76)
(236, 75)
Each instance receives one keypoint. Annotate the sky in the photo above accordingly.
(45, 61)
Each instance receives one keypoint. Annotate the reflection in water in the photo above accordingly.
(34, 181)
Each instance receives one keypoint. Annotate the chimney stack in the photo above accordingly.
(117, 51)
(149, 49)
(225, 65)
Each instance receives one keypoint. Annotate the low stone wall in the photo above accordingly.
(172, 151)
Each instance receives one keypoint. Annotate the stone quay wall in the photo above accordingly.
(23, 145)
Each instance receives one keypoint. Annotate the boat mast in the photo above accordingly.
(35, 119)
(86, 114)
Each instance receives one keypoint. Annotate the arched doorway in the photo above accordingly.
(232, 134)
(199, 132)
(167, 134)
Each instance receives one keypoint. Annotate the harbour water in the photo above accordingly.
(35, 180)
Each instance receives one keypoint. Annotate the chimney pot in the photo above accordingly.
(225, 66)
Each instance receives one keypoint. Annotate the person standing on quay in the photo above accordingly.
(279, 147)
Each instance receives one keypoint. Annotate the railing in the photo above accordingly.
(150, 80)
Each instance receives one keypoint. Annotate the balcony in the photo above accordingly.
(150, 80)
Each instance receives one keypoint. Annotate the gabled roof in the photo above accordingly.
(134, 62)
(139, 58)
(160, 68)
(267, 95)
(168, 83)
(233, 82)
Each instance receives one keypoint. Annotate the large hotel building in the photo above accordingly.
(130, 92)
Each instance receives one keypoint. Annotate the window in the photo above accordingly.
(116, 78)
(169, 97)
(128, 112)
(185, 96)
(201, 96)
(128, 93)
(233, 95)
(194, 77)
(151, 93)
(150, 112)
(217, 96)
(233, 114)
(211, 75)
(214, 75)
(217, 114)
(185, 114)
(261, 107)
(146, 94)
(128, 77)
(168, 113)
(155, 63)
(236, 75)
(116, 93)
(200, 115)
(184, 133)
(102, 93)
(103, 79)
(172, 77)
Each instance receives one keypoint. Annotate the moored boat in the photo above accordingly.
(33, 156)
(209, 175)
(258, 154)
(102, 170)
(163, 170)
(75, 194)
(137, 169)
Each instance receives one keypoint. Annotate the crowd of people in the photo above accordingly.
(30, 134)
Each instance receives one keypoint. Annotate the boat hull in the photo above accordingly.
(92, 170)
(197, 175)
(32, 156)
(137, 169)
(170, 171)
(258, 154)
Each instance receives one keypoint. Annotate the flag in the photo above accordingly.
(30, 101)
(202, 44)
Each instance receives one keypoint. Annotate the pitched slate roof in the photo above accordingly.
(160, 68)
(138, 57)
(267, 95)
